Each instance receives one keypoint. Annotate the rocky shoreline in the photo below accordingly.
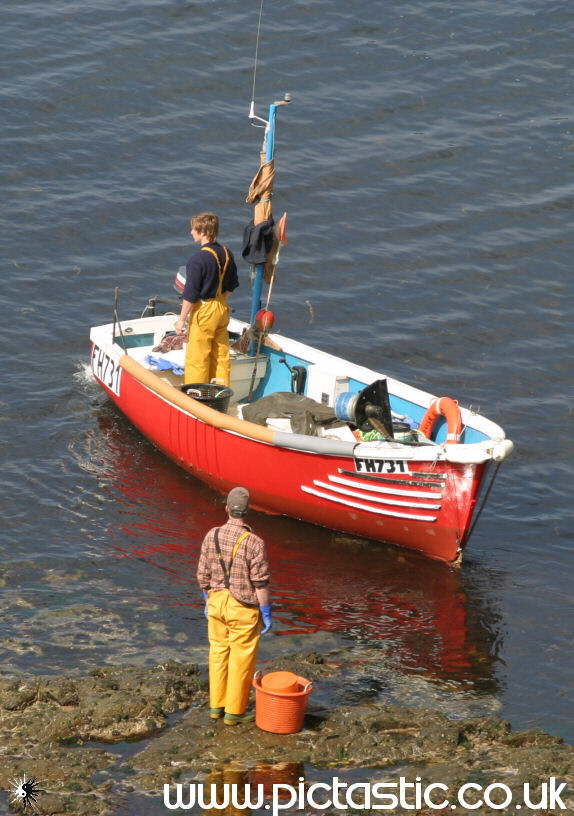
(65, 731)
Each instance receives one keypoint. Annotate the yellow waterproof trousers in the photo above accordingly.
(207, 353)
(233, 631)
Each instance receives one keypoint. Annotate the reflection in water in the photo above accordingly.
(430, 618)
(261, 778)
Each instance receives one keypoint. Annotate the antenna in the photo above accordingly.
(252, 107)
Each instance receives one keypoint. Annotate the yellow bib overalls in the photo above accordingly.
(233, 631)
(207, 353)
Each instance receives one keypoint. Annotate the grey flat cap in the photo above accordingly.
(237, 502)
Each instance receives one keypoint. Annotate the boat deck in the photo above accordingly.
(326, 376)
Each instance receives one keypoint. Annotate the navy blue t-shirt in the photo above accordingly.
(202, 274)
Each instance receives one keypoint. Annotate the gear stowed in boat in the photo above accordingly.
(419, 495)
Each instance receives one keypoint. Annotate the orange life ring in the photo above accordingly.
(449, 409)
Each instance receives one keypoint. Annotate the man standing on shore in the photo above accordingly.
(233, 573)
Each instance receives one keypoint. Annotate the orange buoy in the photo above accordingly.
(264, 320)
(448, 408)
(280, 701)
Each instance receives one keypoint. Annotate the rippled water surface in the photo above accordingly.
(426, 165)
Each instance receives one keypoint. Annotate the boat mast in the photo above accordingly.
(267, 155)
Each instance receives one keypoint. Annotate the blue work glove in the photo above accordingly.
(164, 365)
(267, 619)
(158, 362)
(205, 599)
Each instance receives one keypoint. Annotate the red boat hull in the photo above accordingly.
(304, 485)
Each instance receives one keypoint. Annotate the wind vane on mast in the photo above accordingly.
(253, 118)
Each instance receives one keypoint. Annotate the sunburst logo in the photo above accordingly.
(24, 793)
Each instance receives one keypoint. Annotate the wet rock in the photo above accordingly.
(65, 777)
(482, 731)
(535, 737)
(41, 716)
(110, 705)
(314, 658)
(63, 692)
(364, 688)
(16, 695)
(312, 666)
(418, 742)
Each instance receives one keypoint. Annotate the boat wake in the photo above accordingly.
(84, 378)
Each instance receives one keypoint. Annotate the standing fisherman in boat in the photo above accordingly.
(233, 573)
(211, 274)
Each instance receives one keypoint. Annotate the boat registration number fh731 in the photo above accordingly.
(381, 465)
(106, 368)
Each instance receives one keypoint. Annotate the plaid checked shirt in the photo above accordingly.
(250, 567)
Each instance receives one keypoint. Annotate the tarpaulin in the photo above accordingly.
(306, 414)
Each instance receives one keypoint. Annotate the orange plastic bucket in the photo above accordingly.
(280, 701)
(283, 682)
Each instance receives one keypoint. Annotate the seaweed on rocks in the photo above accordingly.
(48, 726)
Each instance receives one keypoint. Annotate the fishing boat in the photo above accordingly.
(311, 435)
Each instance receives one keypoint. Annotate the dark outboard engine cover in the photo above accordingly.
(373, 407)
(368, 409)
